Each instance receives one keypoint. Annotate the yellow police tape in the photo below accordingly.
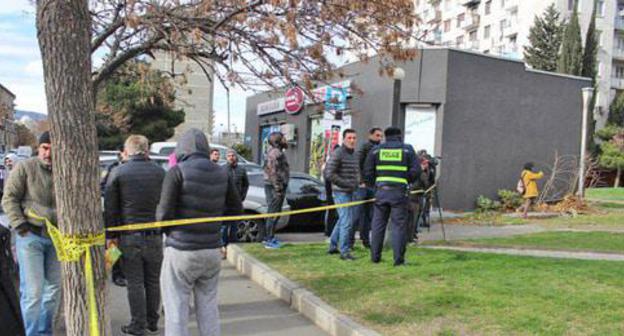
(190, 221)
(69, 248)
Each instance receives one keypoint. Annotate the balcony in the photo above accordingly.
(471, 22)
(619, 23)
(473, 45)
(469, 3)
(618, 54)
(511, 28)
(429, 16)
(617, 83)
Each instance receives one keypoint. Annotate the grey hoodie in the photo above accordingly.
(195, 188)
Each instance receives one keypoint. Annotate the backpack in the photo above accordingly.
(520, 188)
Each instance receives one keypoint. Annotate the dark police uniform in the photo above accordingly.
(391, 166)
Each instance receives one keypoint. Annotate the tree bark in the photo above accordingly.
(63, 30)
(616, 184)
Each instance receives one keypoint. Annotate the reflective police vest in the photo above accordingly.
(392, 166)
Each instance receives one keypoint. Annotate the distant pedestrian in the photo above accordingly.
(276, 177)
(9, 161)
(195, 188)
(363, 214)
(344, 173)
(241, 181)
(30, 189)
(215, 155)
(392, 167)
(530, 192)
(132, 195)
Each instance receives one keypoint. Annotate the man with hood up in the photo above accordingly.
(195, 188)
(276, 177)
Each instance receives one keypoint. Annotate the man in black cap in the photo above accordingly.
(30, 190)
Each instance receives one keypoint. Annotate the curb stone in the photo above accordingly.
(311, 306)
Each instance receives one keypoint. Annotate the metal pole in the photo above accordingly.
(587, 94)
(396, 103)
(228, 109)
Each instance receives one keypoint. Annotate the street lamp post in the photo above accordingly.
(398, 75)
(587, 93)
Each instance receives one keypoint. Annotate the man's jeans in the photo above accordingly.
(142, 257)
(340, 237)
(362, 215)
(274, 203)
(40, 282)
(228, 232)
(186, 272)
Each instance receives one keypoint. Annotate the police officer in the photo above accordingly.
(391, 167)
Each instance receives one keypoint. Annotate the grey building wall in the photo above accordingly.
(492, 116)
(498, 115)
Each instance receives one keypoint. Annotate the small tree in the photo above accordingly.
(616, 111)
(545, 40)
(591, 49)
(24, 136)
(571, 57)
(138, 100)
(612, 156)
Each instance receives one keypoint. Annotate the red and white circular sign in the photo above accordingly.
(294, 100)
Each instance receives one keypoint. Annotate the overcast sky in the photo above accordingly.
(21, 70)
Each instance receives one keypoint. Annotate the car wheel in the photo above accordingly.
(249, 230)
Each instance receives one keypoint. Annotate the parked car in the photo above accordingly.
(304, 191)
(166, 148)
(255, 202)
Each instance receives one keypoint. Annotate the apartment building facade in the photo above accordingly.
(501, 27)
(195, 96)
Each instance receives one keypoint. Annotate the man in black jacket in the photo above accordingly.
(195, 188)
(131, 196)
(241, 181)
(363, 214)
(391, 167)
(344, 173)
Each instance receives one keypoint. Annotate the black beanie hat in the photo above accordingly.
(392, 131)
(44, 138)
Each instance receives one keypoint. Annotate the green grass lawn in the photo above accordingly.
(605, 194)
(453, 293)
(574, 241)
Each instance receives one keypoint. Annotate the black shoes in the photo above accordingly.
(152, 331)
(347, 256)
(366, 244)
(333, 251)
(119, 281)
(399, 263)
(130, 330)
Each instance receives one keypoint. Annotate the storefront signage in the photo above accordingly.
(294, 100)
(270, 106)
(320, 93)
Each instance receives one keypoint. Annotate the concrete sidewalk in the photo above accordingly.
(245, 309)
(533, 252)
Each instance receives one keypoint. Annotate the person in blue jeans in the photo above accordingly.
(343, 172)
(276, 178)
(30, 189)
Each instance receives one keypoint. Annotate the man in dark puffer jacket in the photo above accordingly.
(194, 188)
(131, 196)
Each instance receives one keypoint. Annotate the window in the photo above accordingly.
(570, 4)
(486, 32)
(619, 71)
(447, 26)
(460, 20)
(488, 7)
(503, 24)
(502, 3)
(459, 42)
(472, 36)
(600, 69)
(599, 37)
(600, 7)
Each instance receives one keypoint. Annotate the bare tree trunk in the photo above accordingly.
(64, 33)
(617, 177)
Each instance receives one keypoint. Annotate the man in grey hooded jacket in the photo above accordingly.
(195, 188)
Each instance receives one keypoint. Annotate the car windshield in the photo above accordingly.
(298, 185)
(166, 151)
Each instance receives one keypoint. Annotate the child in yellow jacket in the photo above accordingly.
(529, 179)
